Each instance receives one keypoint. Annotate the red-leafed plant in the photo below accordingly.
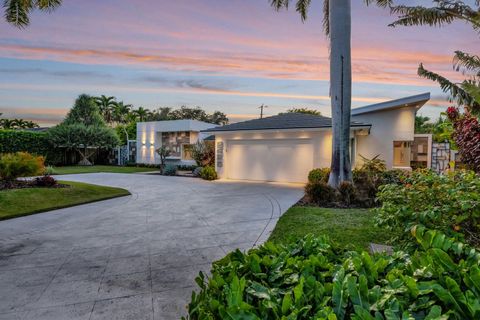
(467, 136)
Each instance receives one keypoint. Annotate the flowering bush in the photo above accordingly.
(467, 137)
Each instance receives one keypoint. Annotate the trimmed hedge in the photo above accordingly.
(12, 141)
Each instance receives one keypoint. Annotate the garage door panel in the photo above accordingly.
(270, 160)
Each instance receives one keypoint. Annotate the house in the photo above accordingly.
(284, 148)
(177, 135)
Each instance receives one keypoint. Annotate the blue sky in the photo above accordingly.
(229, 56)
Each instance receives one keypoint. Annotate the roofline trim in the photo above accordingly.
(324, 128)
(416, 101)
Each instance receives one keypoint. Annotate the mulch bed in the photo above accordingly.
(24, 184)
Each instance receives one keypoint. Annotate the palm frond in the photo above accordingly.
(466, 63)
(444, 13)
(16, 12)
(379, 3)
(48, 5)
(456, 91)
(326, 17)
(302, 8)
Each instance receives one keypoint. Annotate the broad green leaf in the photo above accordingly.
(286, 303)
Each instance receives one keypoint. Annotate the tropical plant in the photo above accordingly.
(12, 124)
(466, 136)
(449, 203)
(45, 181)
(312, 279)
(106, 106)
(163, 153)
(320, 193)
(208, 173)
(170, 170)
(319, 175)
(20, 164)
(203, 153)
(337, 25)
(84, 111)
(141, 114)
(17, 11)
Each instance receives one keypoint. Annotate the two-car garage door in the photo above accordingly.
(282, 160)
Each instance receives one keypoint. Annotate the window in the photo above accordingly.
(401, 154)
(187, 152)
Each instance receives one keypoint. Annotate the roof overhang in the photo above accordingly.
(416, 102)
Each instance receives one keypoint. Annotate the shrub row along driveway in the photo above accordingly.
(134, 257)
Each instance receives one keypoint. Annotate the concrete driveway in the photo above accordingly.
(134, 257)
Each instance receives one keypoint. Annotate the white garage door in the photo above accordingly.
(282, 160)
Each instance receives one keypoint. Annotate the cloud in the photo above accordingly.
(60, 73)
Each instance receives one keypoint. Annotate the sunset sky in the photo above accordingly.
(222, 55)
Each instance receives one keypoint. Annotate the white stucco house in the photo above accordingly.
(284, 148)
(177, 135)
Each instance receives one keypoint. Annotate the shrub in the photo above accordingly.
(449, 203)
(45, 181)
(196, 172)
(20, 164)
(184, 167)
(347, 192)
(320, 193)
(319, 175)
(203, 152)
(208, 173)
(311, 279)
(37, 143)
(170, 170)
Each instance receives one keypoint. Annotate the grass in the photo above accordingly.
(95, 169)
(21, 202)
(352, 228)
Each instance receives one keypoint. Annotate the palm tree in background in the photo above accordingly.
(142, 114)
(106, 106)
(17, 11)
(337, 26)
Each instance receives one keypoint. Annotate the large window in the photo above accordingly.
(401, 154)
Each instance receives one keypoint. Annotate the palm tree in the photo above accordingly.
(17, 11)
(142, 114)
(106, 106)
(337, 25)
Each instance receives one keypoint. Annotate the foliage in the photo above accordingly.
(45, 181)
(106, 106)
(203, 152)
(103, 168)
(185, 167)
(83, 130)
(163, 152)
(33, 142)
(124, 130)
(311, 279)
(20, 164)
(305, 111)
(319, 175)
(13, 124)
(467, 137)
(170, 170)
(374, 165)
(86, 140)
(320, 193)
(17, 11)
(208, 173)
(84, 111)
(448, 203)
(347, 192)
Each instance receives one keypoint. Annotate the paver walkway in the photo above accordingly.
(133, 257)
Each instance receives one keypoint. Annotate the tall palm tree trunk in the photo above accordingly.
(340, 89)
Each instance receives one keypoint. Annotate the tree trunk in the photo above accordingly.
(340, 89)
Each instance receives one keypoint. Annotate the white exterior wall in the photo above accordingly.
(387, 126)
(321, 142)
(149, 136)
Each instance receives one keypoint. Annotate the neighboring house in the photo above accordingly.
(284, 148)
(177, 135)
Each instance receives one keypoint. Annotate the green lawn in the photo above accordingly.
(94, 169)
(347, 227)
(21, 202)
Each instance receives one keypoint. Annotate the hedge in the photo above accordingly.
(29, 141)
